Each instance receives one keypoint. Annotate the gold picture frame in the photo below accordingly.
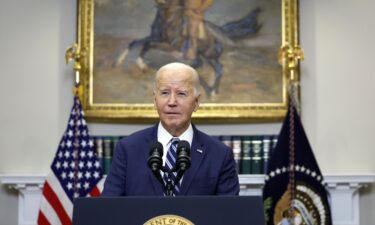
(87, 59)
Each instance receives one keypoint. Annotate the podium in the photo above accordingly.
(184, 210)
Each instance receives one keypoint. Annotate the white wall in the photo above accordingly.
(337, 76)
(35, 87)
(338, 103)
(337, 79)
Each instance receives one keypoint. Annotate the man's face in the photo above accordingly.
(174, 100)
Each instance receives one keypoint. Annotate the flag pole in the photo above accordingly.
(294, 191)
(75, 170)
(73, 53)
(289, 57)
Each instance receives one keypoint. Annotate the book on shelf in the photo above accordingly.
(266, 152)
(105, 147)
(246, 155)
(256, 155)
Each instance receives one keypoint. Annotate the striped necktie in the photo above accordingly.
(170, 162)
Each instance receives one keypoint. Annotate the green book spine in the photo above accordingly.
(107, 149)
(256, 159)
(266, 152)
(246, 155)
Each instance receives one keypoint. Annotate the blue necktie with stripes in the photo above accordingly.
(170, 162)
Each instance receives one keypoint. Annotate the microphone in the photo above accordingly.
(155, 160)
(183, 160)
(183, 157)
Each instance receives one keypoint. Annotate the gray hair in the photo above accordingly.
(177, 65)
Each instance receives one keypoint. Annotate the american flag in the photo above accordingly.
(75, 172)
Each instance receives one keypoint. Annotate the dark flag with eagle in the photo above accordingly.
(294, 191)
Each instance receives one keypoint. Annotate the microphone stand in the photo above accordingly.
(180, 173)
(169, 186)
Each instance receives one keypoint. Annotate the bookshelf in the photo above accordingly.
(251, 152)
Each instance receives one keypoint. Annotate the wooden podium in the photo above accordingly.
(197, 210)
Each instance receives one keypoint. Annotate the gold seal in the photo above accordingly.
(168, 220)
(306, 209)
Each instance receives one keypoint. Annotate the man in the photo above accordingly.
(194, 10)
(212, 170)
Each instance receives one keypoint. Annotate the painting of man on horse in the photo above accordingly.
(180, 31)
(180, 25)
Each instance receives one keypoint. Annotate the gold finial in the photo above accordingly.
(74, 53)
(289, 56)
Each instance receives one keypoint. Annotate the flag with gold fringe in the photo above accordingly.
(74, 172)
(294, 191)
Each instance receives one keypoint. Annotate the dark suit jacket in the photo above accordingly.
(212, 170)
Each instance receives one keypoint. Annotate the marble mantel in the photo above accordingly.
(344, 191)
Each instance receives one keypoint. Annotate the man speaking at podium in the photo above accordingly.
(143, 167)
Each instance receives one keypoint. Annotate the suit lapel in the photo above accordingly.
(197, 154)
(150, 139)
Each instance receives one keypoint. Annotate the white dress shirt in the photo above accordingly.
(165, 138)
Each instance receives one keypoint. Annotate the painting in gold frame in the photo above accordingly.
(122, 43)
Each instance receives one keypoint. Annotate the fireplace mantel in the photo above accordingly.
(344, 191)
